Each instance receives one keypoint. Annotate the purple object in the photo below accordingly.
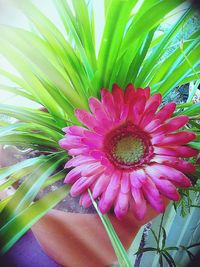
(27, 252)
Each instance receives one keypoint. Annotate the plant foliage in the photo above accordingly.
(60, 70)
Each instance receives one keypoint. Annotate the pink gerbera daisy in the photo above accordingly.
(128, 155)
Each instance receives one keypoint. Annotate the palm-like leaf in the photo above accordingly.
(60, 71)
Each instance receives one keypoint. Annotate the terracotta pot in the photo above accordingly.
(79, 240)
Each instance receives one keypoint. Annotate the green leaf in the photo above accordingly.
(22, 221)
(147, 249)
(30, 115)
(172, 248)
(4, 202)
(26, 193)
(16, 91)
(148, 20)
(29, 140)
(191, 111)
(117, 17)
(195, 145)
(7, 171)
(169, 259)
(65, 52)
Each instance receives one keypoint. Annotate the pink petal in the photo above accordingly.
(74, 130)
(85, 200)
(124, 113)
(118, 97)
(125, 182)
(153, 196)
(73, 175)
(97, 154)
(108, 102)
(78, 151)
(100, 113)
(129, 93)
(86, 118)
(108, 198)
(92, 143)
(100, 185)
(81, 185)
(180, 138)
(172, 125)
(152, 125)
(91, 169)
(154, 102)
(148, 116)
(137, 177)
(179, 151)
(135, 181)
(71, 142)
(139, 204)
(165, 112)
(96, 106)
(122, 205)
(138, 109)
(167, 189)
(176, 163)
(79, 160)
(147, 92)
(163, 171)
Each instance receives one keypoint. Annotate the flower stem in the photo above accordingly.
(120, 251)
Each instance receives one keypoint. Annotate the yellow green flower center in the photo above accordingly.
(128, 149)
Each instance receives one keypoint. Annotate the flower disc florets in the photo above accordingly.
(128, 147)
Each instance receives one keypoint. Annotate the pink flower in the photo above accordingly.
(129, 154)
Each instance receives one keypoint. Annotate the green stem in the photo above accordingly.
(120, 251)
(159, 233)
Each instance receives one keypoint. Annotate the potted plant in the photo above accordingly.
(61, 72)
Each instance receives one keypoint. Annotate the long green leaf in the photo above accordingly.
(26, 193)
(19, 224)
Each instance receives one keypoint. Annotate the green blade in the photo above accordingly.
(20, 223)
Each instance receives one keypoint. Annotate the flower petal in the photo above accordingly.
(139, 204)
(86, 118)
(79, 160)
(74, 130)
(165, 112)
(154, 102)
(125, 182)
(73, 175)
(100, 185)
(164, 171)
(138, 109)
(85, 200)
(177, 139)
(153, 196)
(166, 188)
(172, 125)
(179, 164)
(81, 185)
(179, 151)
(122, 205)
(108, 102)
(108, 198)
